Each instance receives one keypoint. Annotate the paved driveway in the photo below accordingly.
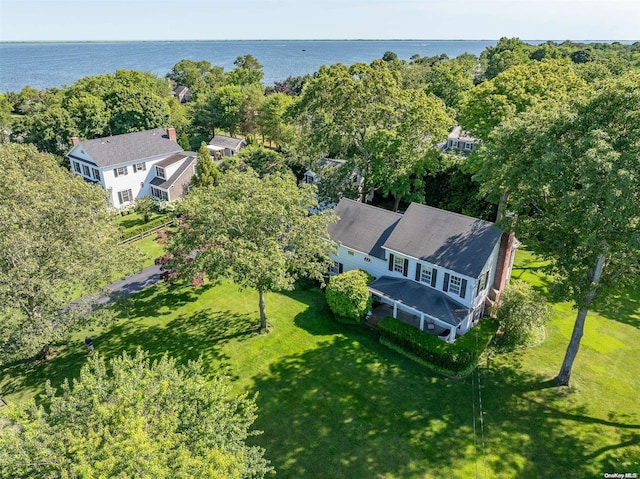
(121, 288)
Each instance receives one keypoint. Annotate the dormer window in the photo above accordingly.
(160, 173)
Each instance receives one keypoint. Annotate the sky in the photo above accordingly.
(96, 20)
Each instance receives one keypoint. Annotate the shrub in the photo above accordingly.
(348, 296)
(454, 359)
(144, 206)
(521, 316)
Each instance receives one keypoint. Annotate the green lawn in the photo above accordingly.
(333, 402)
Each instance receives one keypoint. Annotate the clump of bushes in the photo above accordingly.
(457, 359)
(521, 316)
(348, 296)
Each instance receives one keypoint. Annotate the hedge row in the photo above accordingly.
(457, 358)
(136, 230)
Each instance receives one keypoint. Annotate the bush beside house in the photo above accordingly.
(521, 316)
(348, 296)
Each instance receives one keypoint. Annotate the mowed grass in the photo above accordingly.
(334, 403)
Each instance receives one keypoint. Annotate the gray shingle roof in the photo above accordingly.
(421, 297)
(363, 227)
(222, 141)
(182, 170)
(450, 240)
(140, 145)
(170, 160)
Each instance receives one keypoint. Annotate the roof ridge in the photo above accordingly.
(372, 206)
(453, 213)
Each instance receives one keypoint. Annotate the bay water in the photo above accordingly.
(47, 65)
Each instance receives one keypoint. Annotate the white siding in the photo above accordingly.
(138, 182)
(352, 259)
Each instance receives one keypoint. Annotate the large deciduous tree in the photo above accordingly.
(515, 90)
(271, 119)
(135, 418)
(57, 239)
(259, 233)
(343, 111)
(575, 185)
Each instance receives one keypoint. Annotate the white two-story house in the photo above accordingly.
(437, 267)
(135, 165)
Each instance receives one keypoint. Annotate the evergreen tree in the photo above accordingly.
(207, 173)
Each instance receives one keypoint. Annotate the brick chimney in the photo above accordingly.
(505, 261)
(171, 133)
(75, 140)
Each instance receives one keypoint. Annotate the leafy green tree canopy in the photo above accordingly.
(507, 53)
(135, 418)
(513, 91)
(57, 240)
(574, 186)
(259, 233)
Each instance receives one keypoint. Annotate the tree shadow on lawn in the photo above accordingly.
(624, 307)
(186, 337)
(353, 408)
(160, 299)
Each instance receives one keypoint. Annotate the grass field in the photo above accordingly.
(334, 403)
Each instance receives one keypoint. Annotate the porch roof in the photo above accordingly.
(421, 298)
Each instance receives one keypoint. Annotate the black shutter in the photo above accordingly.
(445, 287)
(115, 172)
(434, 275)
(463, 288)
(418, 271)
(405, 270)
(390, 262)
(340, 266)
(120, 196)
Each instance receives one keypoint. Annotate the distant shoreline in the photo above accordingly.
(73, 42)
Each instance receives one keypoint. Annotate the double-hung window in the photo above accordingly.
(125, 196)
(160, 173)
(139, 167)
(76, 167)
(96, 174)
(120, 171)
(455, 285)
(85, 171)
(398, 264)
(425, 275)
